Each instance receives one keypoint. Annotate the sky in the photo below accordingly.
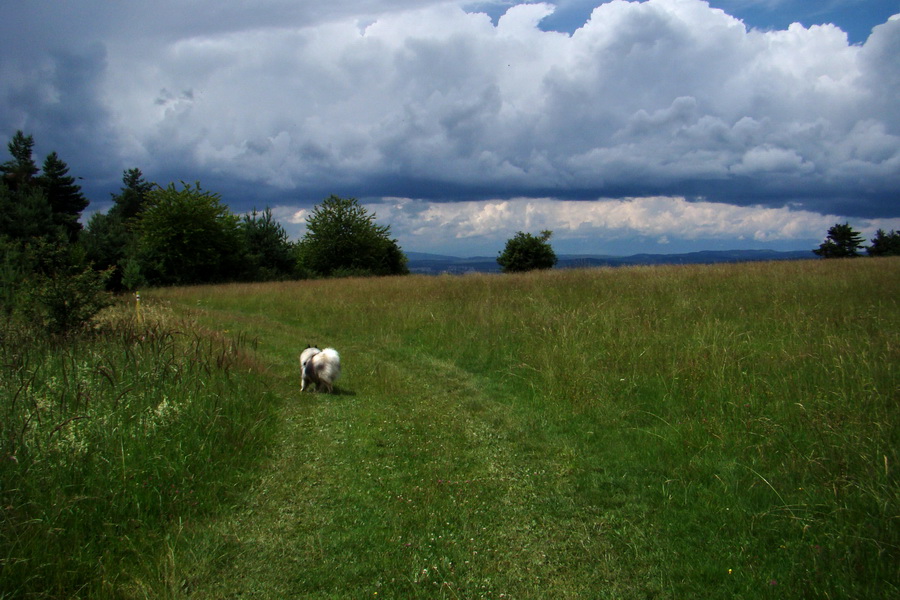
(659, 126)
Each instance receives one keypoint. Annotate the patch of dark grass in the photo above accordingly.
(113, 440)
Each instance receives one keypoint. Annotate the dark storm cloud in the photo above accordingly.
(286, 102)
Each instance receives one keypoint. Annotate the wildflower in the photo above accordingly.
(773, 583)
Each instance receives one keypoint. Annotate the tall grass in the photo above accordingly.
(702, 431)
(669, 432)
(112, 444)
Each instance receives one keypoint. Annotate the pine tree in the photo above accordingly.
(268, 253)
(26, 214)
(21, 170)
(842, 242)
(65, 197)
(885, 244)
(132, 199)
(110, 239)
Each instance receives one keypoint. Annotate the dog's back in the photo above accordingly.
(321, 368)
(328, 367)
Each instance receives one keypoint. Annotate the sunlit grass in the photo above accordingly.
(667, 432)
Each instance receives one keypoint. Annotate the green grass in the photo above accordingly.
(667, 432)
(115, 442)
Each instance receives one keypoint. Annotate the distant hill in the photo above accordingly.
(435, 264)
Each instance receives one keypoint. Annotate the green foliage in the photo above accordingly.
(106, 242)
(25, 213)
(527, 252)
(62, 294)
(45, 276)
(188, 236)
(132, 276)
(111, 239)
(342, 238)
(14, 269)
(885, 244)
(842, 242)
(268, 255)
(49, 284)
(28, 193)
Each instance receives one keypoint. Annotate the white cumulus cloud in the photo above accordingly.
(655, 97)
(283, 102)
(453, 227)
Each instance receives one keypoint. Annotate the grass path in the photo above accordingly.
(413, 481)
(714, 432)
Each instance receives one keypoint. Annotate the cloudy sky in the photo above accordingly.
(653, 126)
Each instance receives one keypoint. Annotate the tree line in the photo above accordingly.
(842, 241)
(56, 271)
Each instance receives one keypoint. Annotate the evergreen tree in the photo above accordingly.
(64, 195)
(110, 239)
(107, 243)
(842, 242)
(62, 293)
(885, 244)
(26, 193)
(526, 252)
(21, 170)
(25, 213)
(132, 199)
(268, 253)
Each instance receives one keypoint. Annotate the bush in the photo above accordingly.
(61, 304)
(50, 286)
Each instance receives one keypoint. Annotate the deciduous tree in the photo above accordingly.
(526, 252)
(342, 238)
(188, 236)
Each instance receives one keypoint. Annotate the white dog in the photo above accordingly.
(319, 367)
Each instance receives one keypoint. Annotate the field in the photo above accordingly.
(724, 431)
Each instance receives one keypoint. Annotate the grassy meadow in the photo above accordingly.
(722, 431)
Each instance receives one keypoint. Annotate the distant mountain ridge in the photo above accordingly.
(435, 264)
